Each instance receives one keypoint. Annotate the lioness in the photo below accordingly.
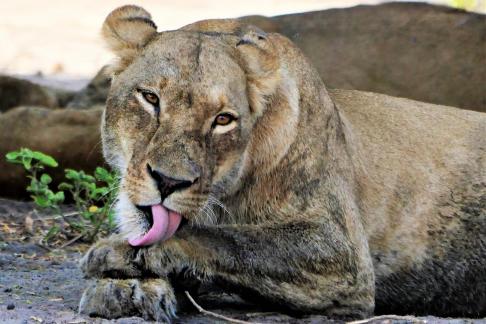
(239, 167)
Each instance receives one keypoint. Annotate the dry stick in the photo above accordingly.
(71, 241)
(52, 217)
(205, 312)
(391, 317)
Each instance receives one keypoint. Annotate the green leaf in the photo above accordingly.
(27, 162)
(12, 156)
(34, 186)
(101, 191)
(45, 159)
(86, 177)
(90, 186)
(99, 199)
(72, 174)
(41, 201)
(26, 152)
(59, 197)
(49, 194)
(45, 179)
(104, 175)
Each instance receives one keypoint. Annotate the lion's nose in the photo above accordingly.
(168, 185)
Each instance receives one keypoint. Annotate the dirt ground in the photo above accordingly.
(38, 285)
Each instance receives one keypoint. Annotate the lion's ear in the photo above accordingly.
(126, 31)
(261, 64)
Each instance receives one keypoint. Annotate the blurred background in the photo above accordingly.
(60, 39)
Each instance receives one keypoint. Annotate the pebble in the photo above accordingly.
(10, 306)
(7, 290)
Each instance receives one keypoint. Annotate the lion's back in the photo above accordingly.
(408, 135)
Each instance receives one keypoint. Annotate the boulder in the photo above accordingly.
(16, 92)
(71, 136)
(94, 93)
(415, 50)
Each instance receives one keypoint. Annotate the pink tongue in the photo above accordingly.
(165, 224)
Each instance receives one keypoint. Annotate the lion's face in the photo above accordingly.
(176, 113)
(185, 116)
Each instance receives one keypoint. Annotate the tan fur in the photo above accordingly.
(126, 31)
(317, 201)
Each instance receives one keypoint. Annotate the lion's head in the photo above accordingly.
(190, 114)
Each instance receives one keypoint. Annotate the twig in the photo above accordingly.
(52, 217)
(205, 312)
(391, 317)
(71, 241)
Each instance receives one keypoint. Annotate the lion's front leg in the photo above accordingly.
(300, 266)
(153, 299)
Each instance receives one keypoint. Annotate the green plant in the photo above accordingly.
(93, 195)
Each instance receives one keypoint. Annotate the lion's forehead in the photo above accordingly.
(195, 78)
(189, 59)
(209, 87)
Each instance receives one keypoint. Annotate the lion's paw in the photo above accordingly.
(153, 299)
(111, 257)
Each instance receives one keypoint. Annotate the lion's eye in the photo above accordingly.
(151, 98)
(224, 119)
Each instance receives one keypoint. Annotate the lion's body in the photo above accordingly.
(423, 199)
(314, 201)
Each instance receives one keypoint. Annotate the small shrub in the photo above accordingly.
(93, 195)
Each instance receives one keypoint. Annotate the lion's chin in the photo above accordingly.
(165, 224)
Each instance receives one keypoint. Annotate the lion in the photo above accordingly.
(239, 167)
